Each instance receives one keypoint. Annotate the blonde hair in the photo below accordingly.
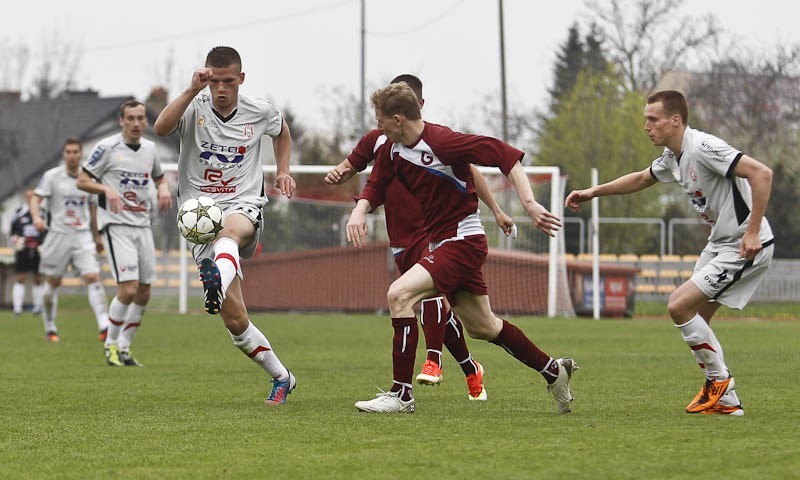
(396, 99)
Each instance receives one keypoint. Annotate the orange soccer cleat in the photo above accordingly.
(431, 373)
(475, 384)
(710, 394)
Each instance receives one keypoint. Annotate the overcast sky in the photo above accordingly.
(294, 52)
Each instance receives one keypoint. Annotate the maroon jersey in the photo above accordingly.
(404, 219)
(436, 170)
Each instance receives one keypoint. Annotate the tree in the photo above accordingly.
(643, 37)
(599, 124)
(574, 57)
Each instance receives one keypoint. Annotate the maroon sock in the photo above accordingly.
(434, 321)
(457, 345)
(404, 350)
(514, 341)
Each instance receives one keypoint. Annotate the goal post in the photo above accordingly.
(525, 276)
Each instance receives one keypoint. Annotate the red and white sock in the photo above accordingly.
(117, 313)
(226, 256)
(705, 347)
(255, 345)
(132, 323)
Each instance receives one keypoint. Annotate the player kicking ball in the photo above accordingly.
(220, 157)
(433, 162)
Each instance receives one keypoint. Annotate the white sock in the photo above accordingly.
(730, 398)
(255, 345)
(38, 292)
(117, 313)
(97, 299)
(50, 301)
(705, 347)
(132, 323)
(226, 256)
(18, 296)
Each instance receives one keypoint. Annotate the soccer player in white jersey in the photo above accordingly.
(220, 157)
(72, 237)
(122, 170)
(730, 191)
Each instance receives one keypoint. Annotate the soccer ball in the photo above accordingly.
(200, 219)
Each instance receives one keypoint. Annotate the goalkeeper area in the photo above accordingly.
(306, 263)
(195, 410)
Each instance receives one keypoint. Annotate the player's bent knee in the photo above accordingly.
(398, 298)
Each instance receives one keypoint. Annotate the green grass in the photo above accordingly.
(195, 410)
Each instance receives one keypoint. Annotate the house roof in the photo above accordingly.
(33, 132)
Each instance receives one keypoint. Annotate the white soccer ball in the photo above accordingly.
(200, 219)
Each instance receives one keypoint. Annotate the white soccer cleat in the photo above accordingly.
(386, 402)
(560, 388)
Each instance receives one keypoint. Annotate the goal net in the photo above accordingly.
(305, 262)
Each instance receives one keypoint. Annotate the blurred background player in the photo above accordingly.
(26, 240)
(122, 170)
(434, 164)
(730, 191)
(220, 157)
(408, 240)
(72, 237)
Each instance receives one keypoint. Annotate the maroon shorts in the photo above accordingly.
(412, 253)
(457, 265)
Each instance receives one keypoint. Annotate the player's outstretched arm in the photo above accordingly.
(169, 118)
(542, 219)
(282, 147)
(340, 173)
(759, 176)
(87, 184)
(357, 223)
(630, 183)
(505, 222)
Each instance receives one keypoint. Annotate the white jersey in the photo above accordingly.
(221, 157)
(68, 205)
(131, 173)
(705, 171)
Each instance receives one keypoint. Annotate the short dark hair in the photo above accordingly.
(414, 82)
(221, 57)
(72, 141)
(129, 104)
(673, 102)
(397, 98)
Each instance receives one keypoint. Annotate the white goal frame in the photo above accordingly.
(556, 208)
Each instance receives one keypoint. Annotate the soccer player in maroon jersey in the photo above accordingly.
(408, 239)
(433, 162)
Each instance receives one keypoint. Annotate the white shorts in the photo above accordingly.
(131, 253)
(726, 278)
(59, 250)
(256, 217)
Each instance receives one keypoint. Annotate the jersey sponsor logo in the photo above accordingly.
(136, 206)
(700, 204)
(220, 186)
(134, 179)
(74, 200)
(222, 153)
(426, 158)
(98, 152)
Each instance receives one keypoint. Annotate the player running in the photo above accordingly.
(72, 237)
(220, 157)
(730, 191)
(408, 239)
(434, 164)
(123, 169)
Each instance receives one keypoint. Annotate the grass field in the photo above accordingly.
(195, 410)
